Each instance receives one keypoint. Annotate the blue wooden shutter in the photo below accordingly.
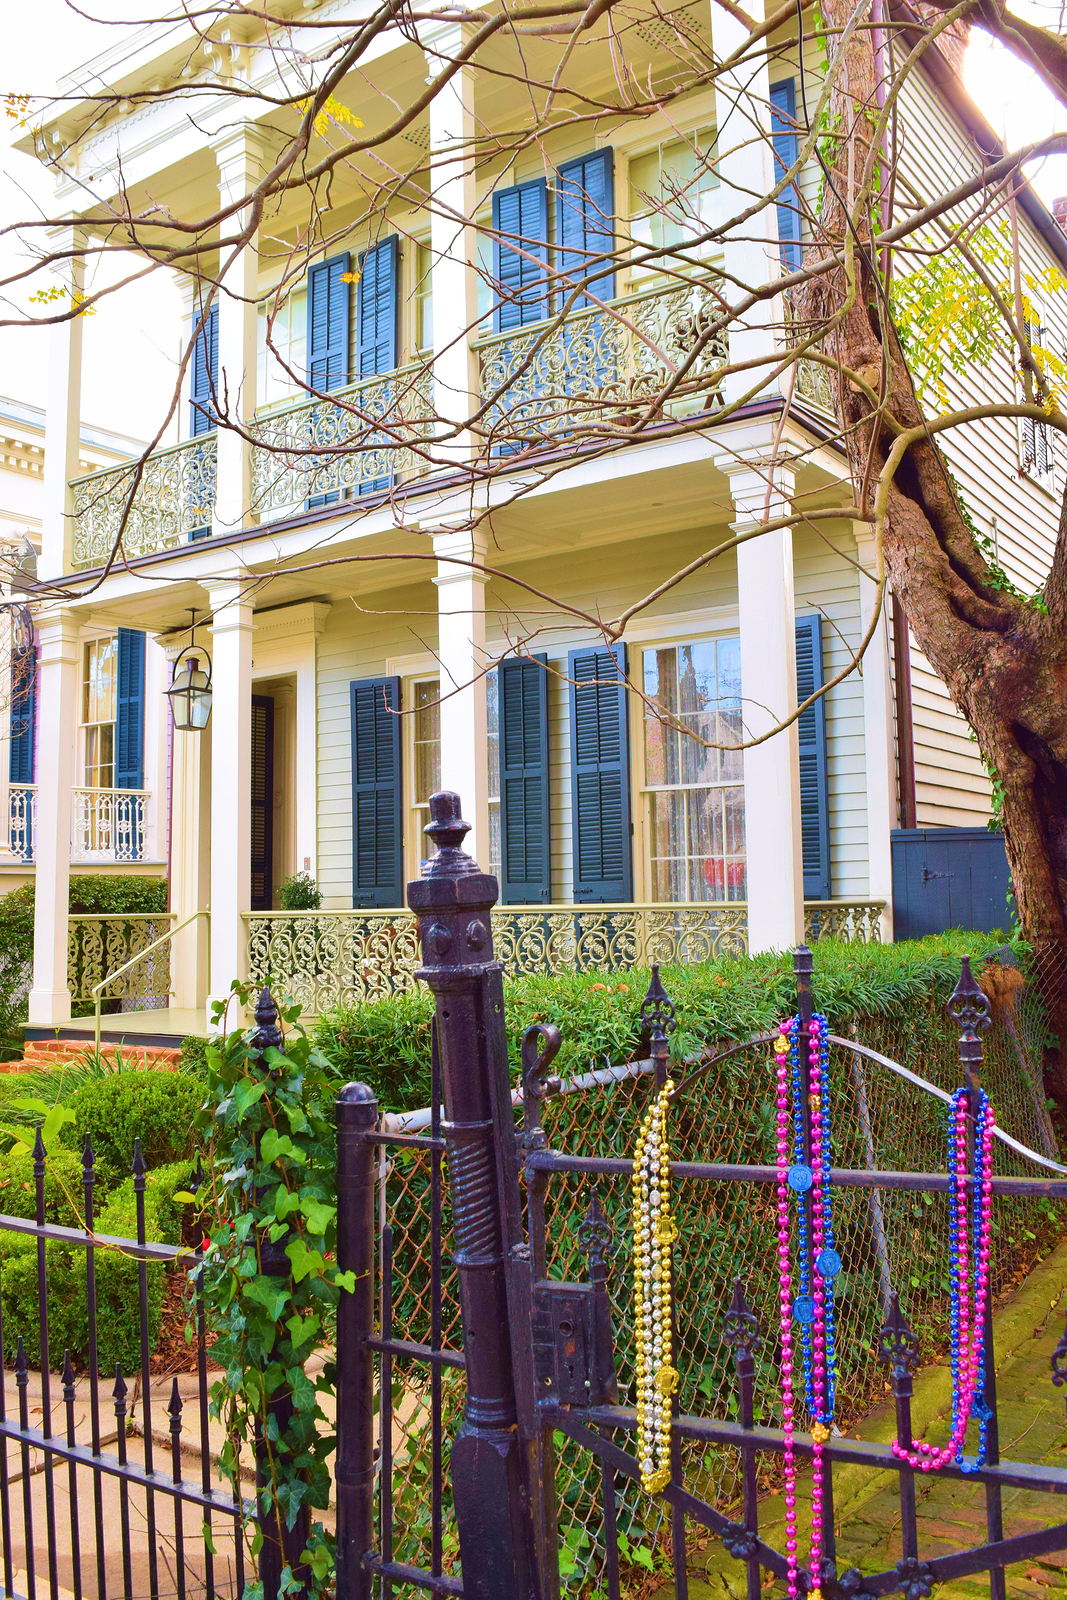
(23, 714)
(203, 384)
(814, 803)
(525, 866)
(129, 711)
(327, 323)
(376, 795)
(378, 308)
(786, 142)
(521, 214)
(600, 775)
(585, 221)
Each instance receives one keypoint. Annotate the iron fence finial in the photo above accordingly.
(448, 830)
(968, 1004)
(740, 1328)
(268, 1034)
(657, 1008)
(38, 1153)
(594, 1233)
(898, 1346)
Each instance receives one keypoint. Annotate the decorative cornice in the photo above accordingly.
(288, 622)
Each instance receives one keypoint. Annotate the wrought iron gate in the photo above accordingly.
(537, 1375)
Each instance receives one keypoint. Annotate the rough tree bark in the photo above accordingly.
(1004, 661)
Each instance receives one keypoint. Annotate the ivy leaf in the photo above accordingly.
(246, 1094)
(318, 1215)
(302, 1328)
(268, 1293)
(345, 1280)
(276, 1144)
(304, 1261)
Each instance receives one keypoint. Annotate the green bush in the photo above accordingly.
(117, 1297)
(300, 892)
(156, 1107)
(63, 1192)
(386, 1043)
(98, 895)
(192, 1057)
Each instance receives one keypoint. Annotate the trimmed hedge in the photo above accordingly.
(386, 1043)
(156, 1107)
(118, 1306)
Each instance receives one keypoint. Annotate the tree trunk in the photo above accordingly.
(1002, 658)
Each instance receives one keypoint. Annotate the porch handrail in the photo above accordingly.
(98, 988)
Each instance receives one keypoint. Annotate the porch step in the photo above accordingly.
(57, 1052)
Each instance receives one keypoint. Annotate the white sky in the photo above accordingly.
(131, 345)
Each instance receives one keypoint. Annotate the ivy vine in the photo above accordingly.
(268, 1199)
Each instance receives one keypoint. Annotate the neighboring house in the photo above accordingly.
(107, 834)
(576, 797)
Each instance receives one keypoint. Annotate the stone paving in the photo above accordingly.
(951, 1514)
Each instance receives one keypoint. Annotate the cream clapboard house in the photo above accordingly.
(22, 458)
(576, 798)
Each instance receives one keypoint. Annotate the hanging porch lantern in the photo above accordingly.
(190, 692)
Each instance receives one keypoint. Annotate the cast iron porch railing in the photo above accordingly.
(99, 945)
(172, 503)
(329, 958)
(21, 819)
(598, 367)
(366, 432)
(108, 824)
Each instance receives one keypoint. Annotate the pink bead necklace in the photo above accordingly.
(969, 1220)
(815, 1312)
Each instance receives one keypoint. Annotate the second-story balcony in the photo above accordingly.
(598, 368)
(602, 368)
(106, 824)
(171, 503)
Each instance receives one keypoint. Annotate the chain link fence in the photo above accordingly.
(886, 1238)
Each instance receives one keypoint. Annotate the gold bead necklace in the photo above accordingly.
(654, 1234)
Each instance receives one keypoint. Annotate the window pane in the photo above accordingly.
(99, 694)
(494, 837)
(427, 741)
(696, 809)
(100, 756)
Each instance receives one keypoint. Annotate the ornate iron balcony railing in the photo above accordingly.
(366, 433)
(109, 824)
(601, 368)
(172, 503)
(329, 958)
(21, 819)
(101, 944)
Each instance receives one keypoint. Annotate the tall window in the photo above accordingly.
(492, 708)
(98, 712)
(669, 191)
(694, 793)
(423, 298)
(426, 765)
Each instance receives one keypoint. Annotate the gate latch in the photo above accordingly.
(573, 1359)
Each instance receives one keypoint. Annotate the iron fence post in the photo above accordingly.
(282, 1546)
(492, 1461)
(357, 1114)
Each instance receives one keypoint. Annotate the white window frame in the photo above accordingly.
(686, 631)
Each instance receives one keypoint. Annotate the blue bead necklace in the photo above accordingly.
(828, 1264)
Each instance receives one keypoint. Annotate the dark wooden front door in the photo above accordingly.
(262, 802)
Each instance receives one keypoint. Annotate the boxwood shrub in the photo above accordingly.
(118, 1306)
(156, 1107)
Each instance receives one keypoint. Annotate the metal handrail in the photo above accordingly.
(130, 463)
(98, 988)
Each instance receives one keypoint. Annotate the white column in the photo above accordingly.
(190, 848)
(879, 760)
(243, 160)
(49, 999)
(62, 430)
(453, 247)
(461, 651)
(231, 783)
(746, 169)
(773, 850)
